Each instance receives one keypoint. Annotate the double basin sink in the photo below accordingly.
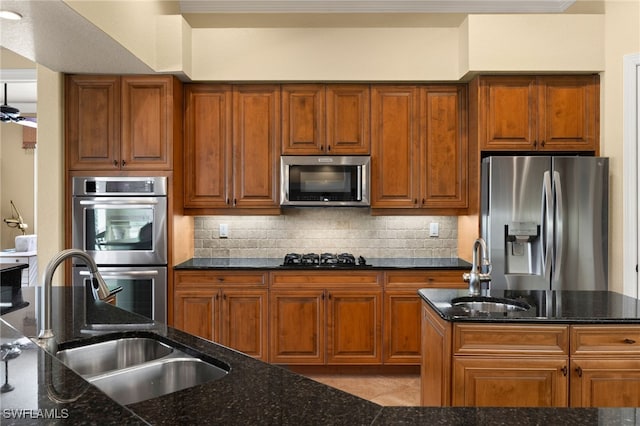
(479, 305)
(134, 369)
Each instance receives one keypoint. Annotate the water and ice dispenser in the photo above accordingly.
(522, 248)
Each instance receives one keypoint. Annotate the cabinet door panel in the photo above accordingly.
(256, 145)
(394, 150)
(348, 119)
(569, 113)
(354, 327)
(510, 382)
(147, 111)
(605, 383)
(508, 113)
(445, 148)
(244, 325)
(207, 172)
(303, 119)
(297, 327)
(92, 122)
(402, 332)
(197, 313)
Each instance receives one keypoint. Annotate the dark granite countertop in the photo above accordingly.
(372, 263)
(568, 307)
(253, 392)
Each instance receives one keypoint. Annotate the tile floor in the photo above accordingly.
(386, 390)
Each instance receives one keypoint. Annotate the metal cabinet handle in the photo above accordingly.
(115, 163)
(124, 163)
(579, 371)
(629, 341)
(564, 370)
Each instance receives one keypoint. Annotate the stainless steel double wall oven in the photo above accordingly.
(122, 223)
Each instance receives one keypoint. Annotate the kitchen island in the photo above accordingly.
(549, 348)
(253, 392)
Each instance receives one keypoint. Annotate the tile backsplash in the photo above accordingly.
(333, 230)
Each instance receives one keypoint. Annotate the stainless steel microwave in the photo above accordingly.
(325, 180)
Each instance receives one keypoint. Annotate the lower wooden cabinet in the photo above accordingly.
(335, 319)
(234, 315)
(528, 365)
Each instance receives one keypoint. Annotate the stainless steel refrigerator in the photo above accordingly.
(545, 221)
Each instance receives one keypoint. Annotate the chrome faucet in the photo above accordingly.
(479, 272)
(99, 287)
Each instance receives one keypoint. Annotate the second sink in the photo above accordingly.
(489, 304)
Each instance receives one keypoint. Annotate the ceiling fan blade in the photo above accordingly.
(28, 121)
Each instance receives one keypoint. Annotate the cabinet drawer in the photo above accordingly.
(312, 279)
(208, 278)
(510, 339)
(605, 340)
(424, 279)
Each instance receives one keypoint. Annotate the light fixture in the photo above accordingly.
(8, 14)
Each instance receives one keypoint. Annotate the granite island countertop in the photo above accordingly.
(277, 264)
(253, 392)
(567, 307)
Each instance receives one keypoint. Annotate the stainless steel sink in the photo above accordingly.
(489, 304)
(157, 378)
(111, 355)
(134, 369)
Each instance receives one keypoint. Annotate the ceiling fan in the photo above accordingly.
(9, 114)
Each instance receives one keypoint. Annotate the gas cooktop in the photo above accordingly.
(324, 260)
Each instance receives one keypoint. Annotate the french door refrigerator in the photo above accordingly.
(545, 222)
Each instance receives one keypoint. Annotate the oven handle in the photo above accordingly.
(127, 202)
(120, 274)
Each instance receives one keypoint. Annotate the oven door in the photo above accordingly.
(144, 289)
(121, 230)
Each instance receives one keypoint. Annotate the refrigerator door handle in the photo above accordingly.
(547, 224)
(559, 219)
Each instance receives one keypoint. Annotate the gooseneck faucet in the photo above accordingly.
(480, 272)
(99, 287)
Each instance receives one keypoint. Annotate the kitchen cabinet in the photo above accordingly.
(536, 113)
(605, 366)
(325, 119)
(232, 150)
(229, 308)
(122, 122)
(419, 149)
(402, 306)
(325, 318)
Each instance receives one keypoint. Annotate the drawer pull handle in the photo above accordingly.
(629, 341)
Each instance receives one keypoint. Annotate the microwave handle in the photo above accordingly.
(359, 194)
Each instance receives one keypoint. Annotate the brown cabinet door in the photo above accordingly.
(347, 119)
(445, 151)
(510, 382)
(244, 321)
(207, 157)
(605, 382)
(92, 122)
(395, 147)
(435, 370)
(147, 122)
(297, 327)
(354, 327)
(402, 334)
(508, 112)
(197, 312)
(256, 145)
(568, 110)
(303, 119)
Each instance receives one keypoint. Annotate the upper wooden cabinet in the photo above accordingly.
(128, 122)
(232, 145)
(325, 119)
(536, 113)
(419, 149)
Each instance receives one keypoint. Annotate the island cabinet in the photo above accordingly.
(328, 318)
(122, 122)
(419, 148)
(535, 113)
(401, 331)
(226, 307)
(605, 366)
(325, 119)
(232, 148)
